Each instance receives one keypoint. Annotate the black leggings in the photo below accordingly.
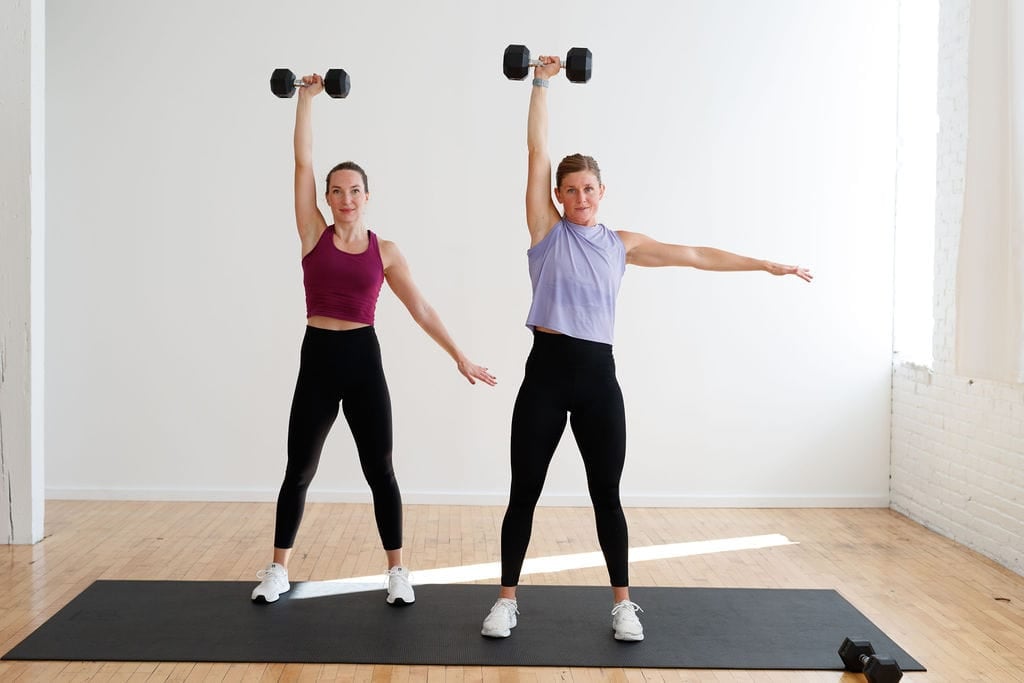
(340, 367)
(567, 375)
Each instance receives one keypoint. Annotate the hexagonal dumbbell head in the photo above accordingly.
(881, 670)
(336, 83)
(282, 82)
(852, 650)
(516, 62)
(578, 65)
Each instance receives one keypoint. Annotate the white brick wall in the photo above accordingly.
(957, 443)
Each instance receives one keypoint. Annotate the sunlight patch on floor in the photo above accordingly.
(537, 565)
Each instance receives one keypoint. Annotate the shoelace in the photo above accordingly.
(626, 604)
(509, 606)
(264, 573)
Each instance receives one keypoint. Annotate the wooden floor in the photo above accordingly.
(959, 614)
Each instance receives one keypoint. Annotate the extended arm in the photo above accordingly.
(641, 250)
(400, 280)
(541, 213)
(308, 218)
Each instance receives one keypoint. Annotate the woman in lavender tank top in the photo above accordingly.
(344, 266)
(576, 264)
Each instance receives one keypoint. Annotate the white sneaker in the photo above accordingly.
(625, 623)
(274, 582)
(501, 619)
(399, 588)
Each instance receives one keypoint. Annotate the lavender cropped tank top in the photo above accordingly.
(576, 272)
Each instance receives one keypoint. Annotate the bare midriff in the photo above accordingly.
(545, 329)
(324, 323)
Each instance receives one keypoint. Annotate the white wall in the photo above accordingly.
(175, 298)
(988, 320)
(957, 440)
(22, 272)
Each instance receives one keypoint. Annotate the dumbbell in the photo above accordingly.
(859, 657)
(283, 83)
(516, 63)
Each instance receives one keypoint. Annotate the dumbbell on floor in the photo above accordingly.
(859, 657)
(516, 63)
(283, 83)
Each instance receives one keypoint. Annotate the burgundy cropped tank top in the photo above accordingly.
(342, 285)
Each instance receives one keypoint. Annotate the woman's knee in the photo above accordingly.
(379, 474)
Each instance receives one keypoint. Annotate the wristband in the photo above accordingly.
(541, 82)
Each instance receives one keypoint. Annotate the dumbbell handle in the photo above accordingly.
(534, 62)
(299, 83)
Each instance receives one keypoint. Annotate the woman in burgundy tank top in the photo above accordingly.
(344, 266)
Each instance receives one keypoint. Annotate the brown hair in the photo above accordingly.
(348, 166)
(574, 163)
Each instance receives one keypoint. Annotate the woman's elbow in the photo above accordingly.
(423, 314)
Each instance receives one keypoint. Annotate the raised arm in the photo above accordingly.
(541, 212)
(399, 278)
(308, 219)
(642, 250)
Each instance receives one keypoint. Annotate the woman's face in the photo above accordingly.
(346, 196)
(580, 194)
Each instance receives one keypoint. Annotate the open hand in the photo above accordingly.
(779, 269)
(473, 372)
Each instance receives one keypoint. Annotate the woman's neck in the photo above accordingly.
(350, 232)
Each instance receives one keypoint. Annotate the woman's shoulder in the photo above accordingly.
(626, 236)
(389, 252)
(382, 243)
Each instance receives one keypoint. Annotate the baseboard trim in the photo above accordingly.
(480, 498)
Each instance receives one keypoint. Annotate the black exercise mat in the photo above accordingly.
(215, 621)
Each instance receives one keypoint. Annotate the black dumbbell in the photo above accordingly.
(283, 83)
(516, 63)
(859, 657)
